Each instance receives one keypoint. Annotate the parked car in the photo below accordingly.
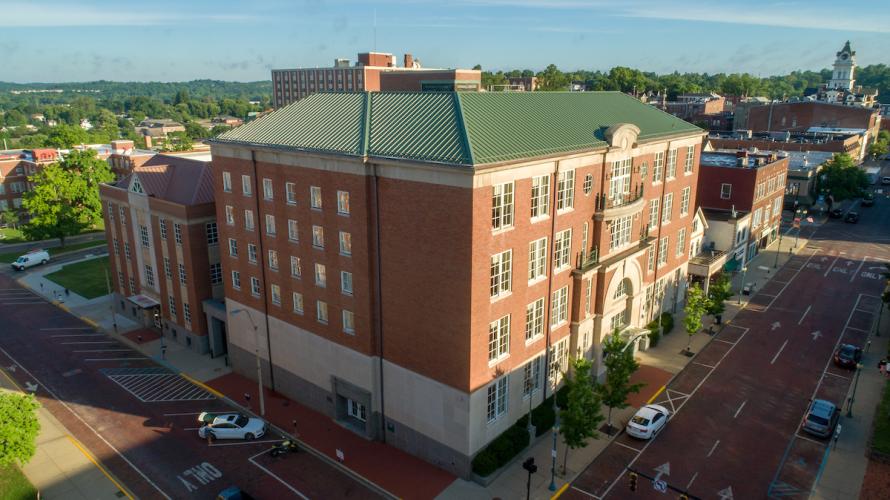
(31, 259)
(230, 426)
(233, 493)
(821, 418)
(836, 213)
(852, 217)
(868, 200)
(847, 356)
(648, 421)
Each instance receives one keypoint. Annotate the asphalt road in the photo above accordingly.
(738, 406)
(138, 418)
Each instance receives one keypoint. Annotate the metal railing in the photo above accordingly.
(605, 202)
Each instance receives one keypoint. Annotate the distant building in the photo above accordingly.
(708, 109)
(374, 71)
(159, 127)
(846, 141)
(15, 167)
(803, 171)
(526, 83)
(163, 243)
(841, 88)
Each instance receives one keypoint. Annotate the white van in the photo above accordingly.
(31, 259)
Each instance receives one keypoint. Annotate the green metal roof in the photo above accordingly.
(457, 128)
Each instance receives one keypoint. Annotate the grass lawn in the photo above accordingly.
(14, 485)
(86, 279)
(10, 235)
(8, 258)
(881, 439)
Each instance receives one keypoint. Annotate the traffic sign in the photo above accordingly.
(660, 486)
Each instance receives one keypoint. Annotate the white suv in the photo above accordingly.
(31, 259)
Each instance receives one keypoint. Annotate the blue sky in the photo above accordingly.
(55, 40)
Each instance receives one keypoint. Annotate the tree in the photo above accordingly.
(718, 292)
(878, 148)
(194, 130)
(696, 307)
(843, 179)
(178, 141)
(9, 217)
(65, 198)
(581, 416)
(18, 428)
(66, 136)
(620, 365)
(552, 79)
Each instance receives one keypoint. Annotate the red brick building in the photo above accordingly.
(15, 167)
(418, 269)
(163, 242)
(801, 116)
(374, 71)
(746, 182)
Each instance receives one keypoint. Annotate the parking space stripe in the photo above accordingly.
(115, 359)
(626, 446)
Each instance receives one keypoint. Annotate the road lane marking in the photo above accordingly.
(104, 350)
(857, 329)
(244, 443)
(659, 391)
(805, 438)
(79, 335)
(725, 341)
(805, 314)
(99, 466)
(282, 481)
(740, 409)
(780, 352)
(67, 328)
(836, 375)
(591, 495)
(702, 364)
(858, 268)
(691, 480)
(628, 447)
(832, 265)
(77, 416)
(115, 359)
(713, 448)
(91, 342)
(182, 414)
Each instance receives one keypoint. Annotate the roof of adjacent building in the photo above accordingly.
(184, 181)
(456, 128)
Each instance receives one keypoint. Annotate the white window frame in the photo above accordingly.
(246, 188)
(684, 201)
(502, 206)
(654, 205)
(290, 190)
(619, 182)
(619, 232)
(658, 168)
(321, 311)
(297, 299)
(562, 250)
(667, 208)
(757, 218)
(268, 190)
(271, 230)
(662, 250)
(183, 278)
(236, 280)
(681, 241)
(248, 220)
(293, 231)
(321, 275)
(672, 164)
(501, 274)
(296, 267)
(343, 203)
(345, 243)
(275, 291)
(315, 197)
(230, 215)
(559, 307)
(565, 193)
(497, 399)
(725, 191)
(531, 376)
(227, 182)
(317, 236)
(537, 259)
(273, 260)
(534, 321)
(690, 158)
(233, 247)
(346, 282)
(254, 286)
(540, 197)
(348, 319)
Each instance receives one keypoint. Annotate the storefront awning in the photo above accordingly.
(731, 265)
(143, 301)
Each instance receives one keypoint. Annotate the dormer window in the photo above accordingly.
(137, 187)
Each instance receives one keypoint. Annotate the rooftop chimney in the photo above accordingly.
(409, 61)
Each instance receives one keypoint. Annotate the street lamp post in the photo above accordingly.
(853, 395)
(259, 368)
(742, 284)
(878, 326)
(531, 428)
(779, 248)
(552, 486)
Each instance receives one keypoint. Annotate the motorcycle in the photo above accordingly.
(286, 446)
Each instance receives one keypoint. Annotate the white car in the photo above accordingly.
(30, 259)
(648, 421)
(231, 426)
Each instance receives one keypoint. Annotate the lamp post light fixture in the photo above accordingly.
(742, 284)
(779, 248)
(259, 369)
(853, 395)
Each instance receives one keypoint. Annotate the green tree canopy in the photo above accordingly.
(842, 179)
(581, 416)
(553, 79)
(696, 307)
(18, 428)
(620, 365)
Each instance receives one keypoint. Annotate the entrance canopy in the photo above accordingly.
(143, 301)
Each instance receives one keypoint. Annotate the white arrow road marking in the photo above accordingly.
(664, 468)
(776, 325)
(31, 387)
(725, 494)
(816, 334)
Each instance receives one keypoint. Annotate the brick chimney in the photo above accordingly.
(409, 61)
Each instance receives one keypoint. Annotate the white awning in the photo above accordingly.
(143, 301)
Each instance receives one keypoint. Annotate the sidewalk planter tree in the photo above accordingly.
(843, 179)
(18, 428)
(718, 292)
(581, 415)
(696, 307)
(620, 365)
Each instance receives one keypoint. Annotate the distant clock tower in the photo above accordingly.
(844, 66)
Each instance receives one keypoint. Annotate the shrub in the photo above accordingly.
(485, 462)
(654, 337)
(667, 322)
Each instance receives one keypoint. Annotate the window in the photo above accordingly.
(296, 269)
(120, 281)
(618, 321)
(499, 339)
(127, 250)
(321, 278)
(270, 225)
(619, 232)
(317, 236)
(588, 184)
(315, 197)
(684, 201)
(187, 312)
(346, 282)
(149, 276)
(565, 194)
(171, 306)
(537, 259)
(531, 379)
(540, 196)
(584, 231)
(117, 249)
(110, 206)
(343, 202)
(587, 296)
(497, 399)
(254, 286)
(668, 208)
(298, 302)
(233, 247)
(658, 167)
(275, 290)
(245, 185)
(502, 206)
(132, 286)
(248, 220)
(177, 233)
(230, 215)
(650, 260)
(348, 322)
(662, 251)
(619, 182)
(215, 273)
(681, 242)
(559, 359)
(212, 233)
(501, 270)
(143, 233)
(725, 191)
(777, 206)
(267, 189)
(227, 182)
(690, 158)
(653, 213)
(123, 216)
(182, 274)
(562, 247)
(356, 410)
(321, 311)
(766, 214)
(534, 320)
(559, 306)
(672, 164)
(168, 271)
(251, 253)
(292, 233)
(273, 260)
(162, 224)
(290, 190)
(758, 215)
(236, 280)
(345, 243)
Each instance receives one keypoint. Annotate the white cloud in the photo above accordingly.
(38, 14)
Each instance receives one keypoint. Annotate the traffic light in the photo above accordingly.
(530, 466)
(633, 481)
